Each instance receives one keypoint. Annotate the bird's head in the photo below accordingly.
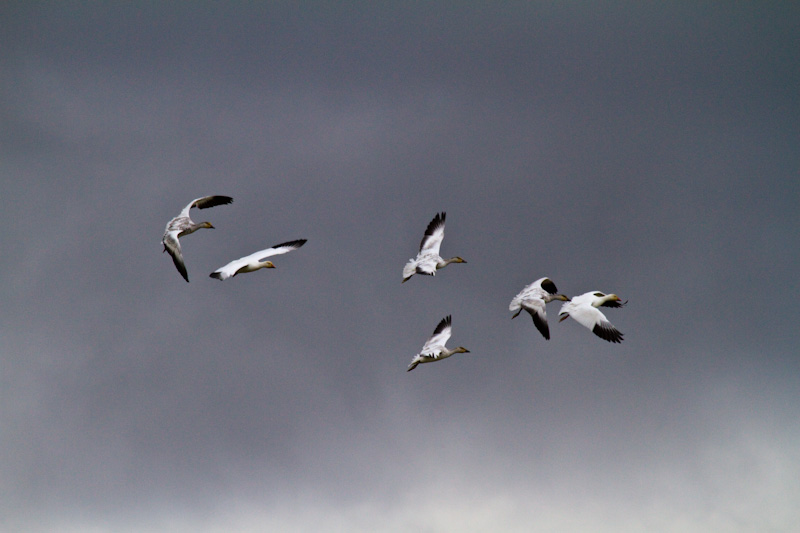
(561, 297)
(458, 260)
(461, 349)
(207, 225)
(268, 264)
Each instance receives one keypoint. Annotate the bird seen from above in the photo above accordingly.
(183, 225)
(428, 259)
(533, 299)
(255, 261)
(584, 309)
(434, 349)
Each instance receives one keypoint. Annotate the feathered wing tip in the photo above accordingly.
(433, 226)
(541, 324)
(549, 286)
(211, 201)
(216, 275)
(412, 366)
(607, 332)
(444, 323)
(614, 303)
(291, 244)
(174, 248)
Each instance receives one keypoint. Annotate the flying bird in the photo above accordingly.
(584, 309)
(533, 299)
(428, 259)
(255, 261)
(182, 225)
(434, 349)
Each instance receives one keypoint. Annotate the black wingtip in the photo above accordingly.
(548, 285)
(292, 244)
(608, 333)
(541, 325)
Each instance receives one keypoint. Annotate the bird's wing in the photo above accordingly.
(173, 246)
(613, 303)
(278, 249)
(547, 285)
(540, 321)
(205, 202)
(592, 318)
(606, 331)
(434, 234)
(586, 315)
(233, 267)
(532, 292)
(538, 313)
(439, 338)
(230, 269)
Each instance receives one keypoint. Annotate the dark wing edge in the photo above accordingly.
(434, 224)
(445, 322)
(549, 286)
(212, 201)
(294, 245)
(540, 323)
(178, 263)
(607, 332)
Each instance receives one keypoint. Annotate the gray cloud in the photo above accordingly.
(649, 152)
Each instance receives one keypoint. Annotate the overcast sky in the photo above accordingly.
(645, 149)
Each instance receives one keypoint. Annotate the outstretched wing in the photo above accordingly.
(439, 338)
(279, 249)
(434, 235)
(205, 202)
(592, 318)
(232, 268)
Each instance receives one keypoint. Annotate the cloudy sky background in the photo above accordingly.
(644, 149)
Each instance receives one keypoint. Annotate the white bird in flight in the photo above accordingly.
(255, 261)
(533, 299)
(584, 309)
(434, 349)
(428, 259)
(182, 225)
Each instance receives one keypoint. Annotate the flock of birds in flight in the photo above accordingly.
(583, 309)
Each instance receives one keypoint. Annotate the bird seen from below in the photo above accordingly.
(428, 259)
(183, 225)
(533, 299)
(434, 349)
(255, 261)
(584, 309)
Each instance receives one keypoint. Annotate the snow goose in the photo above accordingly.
(584, 309)
(255, 261)
(182, 225)
(533, 299)
(428, 259)
(434, 349)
